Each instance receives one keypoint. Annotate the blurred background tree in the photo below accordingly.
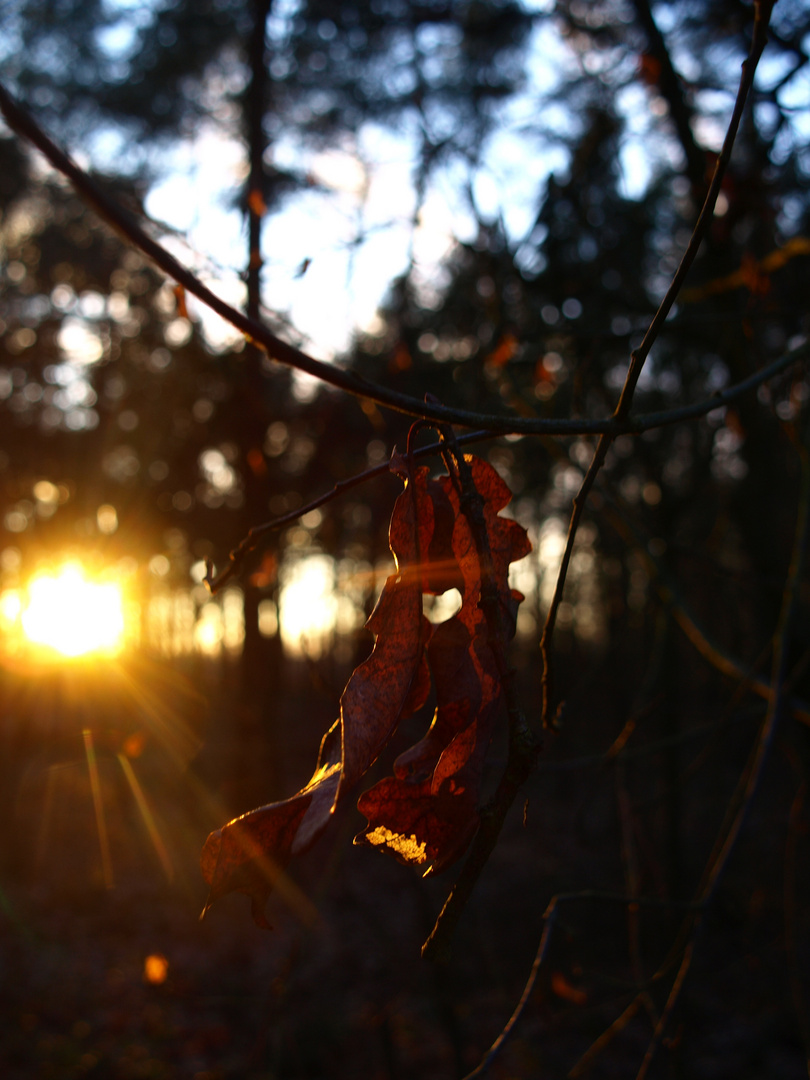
(572, 145)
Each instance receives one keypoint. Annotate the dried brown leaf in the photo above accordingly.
(427, 814)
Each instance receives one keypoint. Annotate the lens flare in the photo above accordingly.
(74, 616)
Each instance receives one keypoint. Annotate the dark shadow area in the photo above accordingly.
(350, 995)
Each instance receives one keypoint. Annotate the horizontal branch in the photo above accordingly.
(668, 417)
(688, 412)
(640, 424)
(20, 121)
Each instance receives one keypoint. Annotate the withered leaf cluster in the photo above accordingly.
(444, 534)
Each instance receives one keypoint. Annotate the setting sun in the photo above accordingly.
(73, 616)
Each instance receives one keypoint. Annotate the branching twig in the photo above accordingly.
(639, 356)
(641, 423)
(259, 532)
(580, 500)
(606, 1038)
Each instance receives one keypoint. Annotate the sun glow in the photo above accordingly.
(308, 606)
(73, 616)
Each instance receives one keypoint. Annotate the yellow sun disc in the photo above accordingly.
(72, 615)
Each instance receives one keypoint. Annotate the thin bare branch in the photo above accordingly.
(639, 356)
(642, 423)
(666, 418)
(580, 499)
(606, 1038)
(259, 532)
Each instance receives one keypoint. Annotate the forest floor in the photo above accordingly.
(119, 978)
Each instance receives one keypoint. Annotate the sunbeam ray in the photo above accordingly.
(98, 806)
(148, 817)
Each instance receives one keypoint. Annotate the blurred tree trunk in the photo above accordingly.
(262, 665)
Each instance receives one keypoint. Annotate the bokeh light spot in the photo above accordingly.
(155, 969)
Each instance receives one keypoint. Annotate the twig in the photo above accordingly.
(639, 356)
(588, 761)
(580, 500)
(639, 424)
(668, 417)
(730, 665)
(259, 532)
(607, 1037)
(20, 121)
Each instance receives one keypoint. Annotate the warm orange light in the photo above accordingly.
(155, 969)
(73, 616)
(10, 606)
(134, 744)
(308, 605)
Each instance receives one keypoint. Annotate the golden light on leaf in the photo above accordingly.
(155, 969)
(409, 847)
(72, 615)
